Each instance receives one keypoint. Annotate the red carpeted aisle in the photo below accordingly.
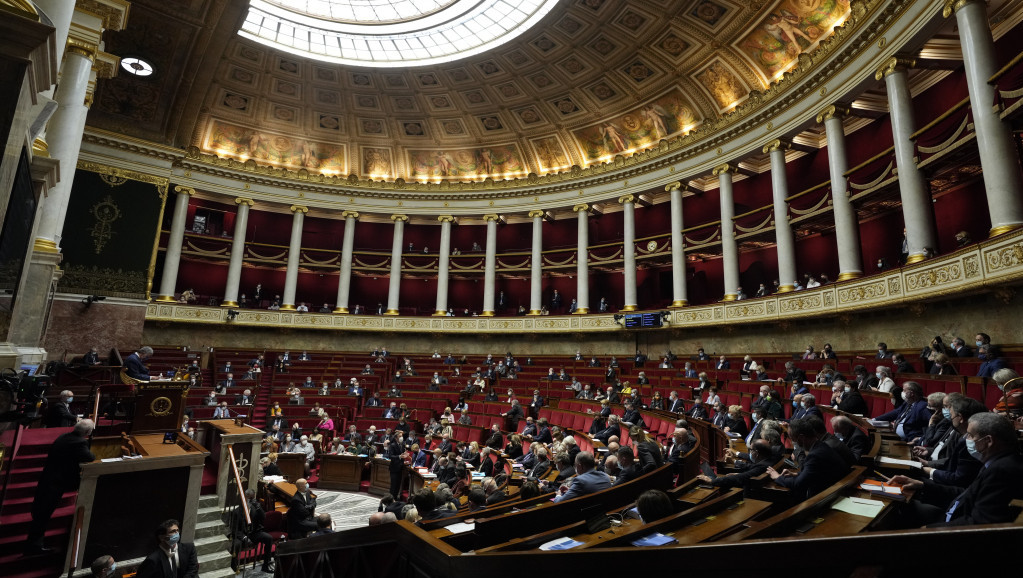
(15, 515)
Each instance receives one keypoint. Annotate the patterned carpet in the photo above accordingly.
(347, 510)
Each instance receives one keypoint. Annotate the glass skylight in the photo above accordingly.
(390, 33)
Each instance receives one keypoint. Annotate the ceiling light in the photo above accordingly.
(136, 66)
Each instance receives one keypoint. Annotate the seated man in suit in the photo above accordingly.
(991, 438)
(245, 398)
(821, 467)
(806, 406)
(612, 430)
(761, 458)
(135, 364)
(60, 414)
(909, 419)
(698, 410)
(587, 480)
(632, 416)
(229, 382)
(852, 436)
(173, 558)
(91, 358)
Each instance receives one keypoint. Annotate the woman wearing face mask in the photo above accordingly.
(885, 383)
(938, 425)
(1011, 403)
(941, 366)
(851, 401)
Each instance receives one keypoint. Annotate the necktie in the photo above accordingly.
(173, 563)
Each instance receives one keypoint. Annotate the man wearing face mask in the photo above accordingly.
(222, 412)
(850, 401)
(991, 439)
(61, 473)
(306, 448)
(761, 458)
(882, 351)
(960, 469)
(821, 467)
(104, 567)
(60, 412)
(852, 436)
(698, 410)
(301, 511)
(173, 558)
(768, 403)
(992, 359)
(909, 419)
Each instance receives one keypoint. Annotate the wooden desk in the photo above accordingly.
(283, 490)
(292, 465)
(121, 500)
(245, 441)
(341, 472)
(380, 477)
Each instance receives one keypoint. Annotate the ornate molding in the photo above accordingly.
(299, 209)
(184, 190)
(777, 145)
(82, 48)
(113, 12)
(491, 217)
(161, 182)
(22, 8)
(244, 201)
(396, 218)
(893, 65)
(352, 214)
(446, 219)
(833, 111)
(724, 169)
(537, 214)
(626, 199)
(576, 208)
(950, 7)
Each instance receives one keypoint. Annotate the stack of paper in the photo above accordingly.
(655, 539)
(560, 544)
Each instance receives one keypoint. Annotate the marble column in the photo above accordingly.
(394, 282)
(536, 264)
(680, 297)
(172, 257)
(444, 263)
(998, 152)
(729, 248)
(64, 138)
(785, 242)
(344, 282)
(628, 202)
(847, 226)
(917, 211)
(234, 269)
(582, 267)
(490, 266)
(294, 257)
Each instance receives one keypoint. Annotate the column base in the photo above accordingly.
(915, 258)
(995, 231)
(487, 314)
(391, 312)
(166, 299)
(440, 313)
(229, 304)
(786, 288)
(629, 308)
(730, 297)
(581, 311)
(679, 303)
(849, 275)
(340, 310)
(287, 307)
(534, 312)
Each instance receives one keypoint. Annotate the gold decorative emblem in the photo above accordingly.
(651, 245)
(161, 406)
(105, 212)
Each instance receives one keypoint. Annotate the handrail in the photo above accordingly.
(754, 211)
(883, 153)
(955, 108)
(807, 191)
(77, 543)
(1008, 65)
(702, 226)
(238, 482)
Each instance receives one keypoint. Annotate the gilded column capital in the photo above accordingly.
(536, 214)
(22, 8)
(490, 217)
(81, 48)
(674, 186)
(347, 214)
(299, 209)
(952, 6)
(244, 201)
(113, 12)
(777, 144)
(397, 218)
(725, 168)
(183, 189)
(832, 111)
(446, 219)
(892, 65)
(580, 207)
(105, 65)
(626, 199)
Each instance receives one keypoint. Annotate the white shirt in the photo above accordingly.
(886, 385)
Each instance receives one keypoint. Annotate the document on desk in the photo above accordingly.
(460, 528)
(655, 539)
(910, 463)
(859, 506)
(105, 460)
(560, 544)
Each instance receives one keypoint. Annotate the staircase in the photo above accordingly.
(16, 514)
(211, 542)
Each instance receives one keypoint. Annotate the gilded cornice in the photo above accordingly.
(114, 13)
(161, 182)
(868, 19)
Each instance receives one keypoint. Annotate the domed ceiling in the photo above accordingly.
(590, 80)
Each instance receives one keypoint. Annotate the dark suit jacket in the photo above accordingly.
(62, 469)
(649, 456)
(737, 426)
(724, 364)
(156, 564)
(986, 500)
(858, 442)
(741, 478)
(300, 517)
(611, 430)
(544, 436)
(821, 468)
(697, 411)
(60, 416)
(134, 367)
(677, 406)
(959, 470)
(853, 402)
(914, 418)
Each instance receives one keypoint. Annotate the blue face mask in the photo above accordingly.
(979, 343)
(971, 446)
(878, 374)
(70, 399)
(946, 413)
(802, 404)
(112, 568)
(174, 538)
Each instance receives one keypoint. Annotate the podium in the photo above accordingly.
(245, 441)
(159, 406)
(122, 501)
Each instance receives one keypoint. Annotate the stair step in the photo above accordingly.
(208, 514)
(212, 544)
(209, 529)
(208, 501)
(214, 561)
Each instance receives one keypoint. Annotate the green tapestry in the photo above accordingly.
(111, 226)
